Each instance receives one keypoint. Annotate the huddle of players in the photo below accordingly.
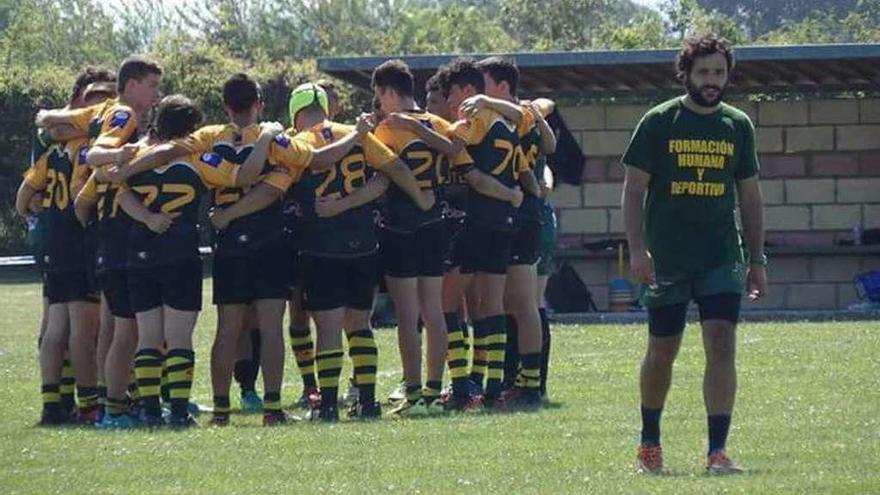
(294, 213)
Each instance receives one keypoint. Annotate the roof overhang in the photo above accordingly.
(759, 69)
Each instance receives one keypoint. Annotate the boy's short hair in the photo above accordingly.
(136, 67)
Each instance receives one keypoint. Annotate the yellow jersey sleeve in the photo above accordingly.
(119, 125)
(203, 139)
(89, 192)
(215, 171)
(82, 118)
(474, 130)
(36, 176)
(291, 153)
(377, 154)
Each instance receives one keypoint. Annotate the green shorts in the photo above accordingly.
(687, 287)
(548, 241)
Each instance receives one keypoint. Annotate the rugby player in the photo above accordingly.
(689, 160)
(71, 316)
(339, 253)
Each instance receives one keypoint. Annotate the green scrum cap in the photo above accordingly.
(304, 96)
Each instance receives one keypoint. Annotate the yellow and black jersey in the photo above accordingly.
(532, 207)
(112, 225)
(351, 233)
(91, 119)
(60, 173)
(175, 189)
(493, 143)
(427, 165)
(286, 161)
(118, 126)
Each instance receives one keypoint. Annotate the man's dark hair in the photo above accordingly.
(702, 46)
(462, 72)
(326, 85)
(136, 67)
(501, 69)
(176, 117)
(436, 82)
(393, 74)
(88, 76)
(240, 92)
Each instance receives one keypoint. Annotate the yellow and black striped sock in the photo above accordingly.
(511, 352)
(221, 405)
(68, 385)
(365, 359)
(148, 371)
(432, 390)
(116, 407)
(163, 383)
(51, 395)
(531, 371)
(180, 364)
(132, 387)
(329, 365)
(102, 394)
(496, 340)
(304, 352)
(456, 355)
(480, 362)
(87, 397)
(272, 402)
(465, 334)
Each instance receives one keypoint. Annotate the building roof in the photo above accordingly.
(831, 67)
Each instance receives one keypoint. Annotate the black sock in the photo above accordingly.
(545, 348)
(651, 426)
(256, 349)
(719, 426)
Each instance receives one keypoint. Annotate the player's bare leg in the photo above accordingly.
(430, 291)
(454, 286)
(328, 359)
(491, 317)
(180, 362)
(404, 292)
(520, 301)
(270, 320)
(719, 390)
(84, 327)
(230, 324)
(52, 347)
(364, 359)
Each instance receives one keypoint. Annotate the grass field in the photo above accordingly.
(806, 422)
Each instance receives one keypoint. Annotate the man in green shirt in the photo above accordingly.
(693, 156)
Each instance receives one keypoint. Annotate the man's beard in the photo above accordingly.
(696, 94)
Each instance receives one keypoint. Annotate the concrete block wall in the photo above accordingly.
(820, 177)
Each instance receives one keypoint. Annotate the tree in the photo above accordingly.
(760, 16)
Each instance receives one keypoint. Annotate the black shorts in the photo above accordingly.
(526, 247)
(669, 321)
(295, 277)
(114, 286)
(480, 249)
(176, 285)
(261, 274)
(330, 283)
(414, 254)
(69, 286)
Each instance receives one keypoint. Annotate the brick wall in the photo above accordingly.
(820, 171)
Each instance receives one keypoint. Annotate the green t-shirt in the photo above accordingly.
(695, 162)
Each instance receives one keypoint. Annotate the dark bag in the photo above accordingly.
(567, 293)
(567, 162)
